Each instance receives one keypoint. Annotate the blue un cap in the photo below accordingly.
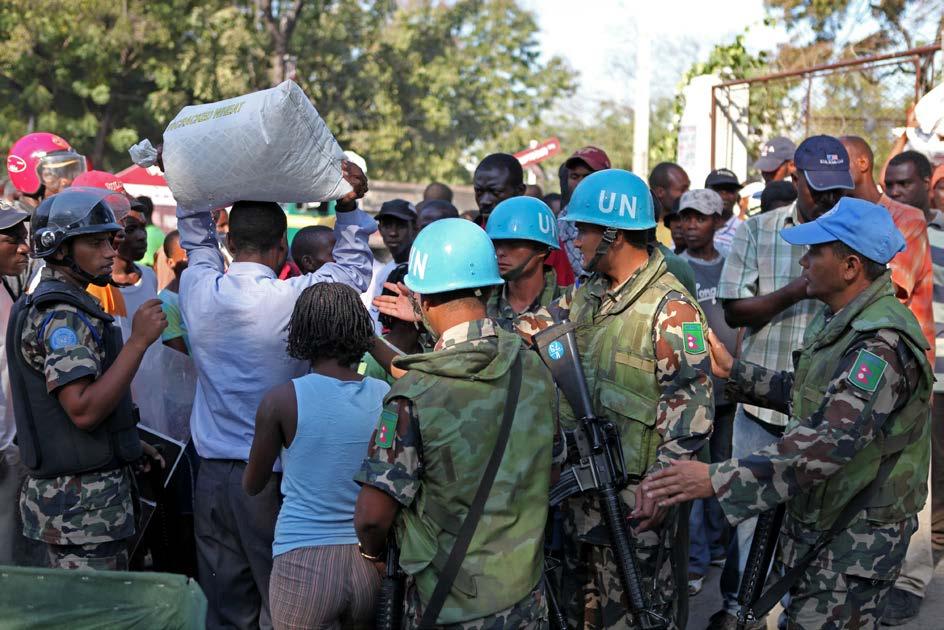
(824, 162)
(864, 227)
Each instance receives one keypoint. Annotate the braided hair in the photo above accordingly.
(330, 322)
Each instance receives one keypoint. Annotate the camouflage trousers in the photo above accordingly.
(829, 601)
(591, 592)
(106, 556)
(528, 614)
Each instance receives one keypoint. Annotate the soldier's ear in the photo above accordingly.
(851, 267)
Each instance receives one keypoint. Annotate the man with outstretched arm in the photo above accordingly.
(852, 463)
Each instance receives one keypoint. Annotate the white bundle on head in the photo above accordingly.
(265, 146)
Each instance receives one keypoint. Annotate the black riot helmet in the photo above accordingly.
(74, 212)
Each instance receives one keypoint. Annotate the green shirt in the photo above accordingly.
(170, 304)
(155, 241)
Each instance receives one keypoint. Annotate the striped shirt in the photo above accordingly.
(936, 239)
(911, 269)
(759, 263)
(724, 236)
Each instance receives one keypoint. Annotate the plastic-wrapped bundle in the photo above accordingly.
(265, 146)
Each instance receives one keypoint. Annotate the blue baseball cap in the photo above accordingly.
(824, 162)
(863, 226)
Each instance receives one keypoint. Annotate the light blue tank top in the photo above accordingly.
(335, 422)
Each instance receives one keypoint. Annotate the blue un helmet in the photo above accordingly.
(523, 218)
(613, 199)
(452, 254)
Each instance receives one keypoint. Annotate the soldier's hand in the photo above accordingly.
(681, 481)
(148, 323)
(354, 176)
(721, 359)
(796, 289)
(648, 515)
(403, 305)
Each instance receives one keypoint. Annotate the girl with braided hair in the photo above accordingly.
(320, 425)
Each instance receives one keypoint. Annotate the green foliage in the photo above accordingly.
(824, 17)
(729, 61)
(414, 88)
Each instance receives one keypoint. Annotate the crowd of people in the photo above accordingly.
(358, 420)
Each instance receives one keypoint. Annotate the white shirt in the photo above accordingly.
(725, 235)
(237, 321)
(134, 296)
(7, 421)
(380, 272)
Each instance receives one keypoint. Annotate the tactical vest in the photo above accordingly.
(904, 492)
(459, 420)
(50, 443)
(617, 352)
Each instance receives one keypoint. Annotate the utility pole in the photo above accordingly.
(641, 97)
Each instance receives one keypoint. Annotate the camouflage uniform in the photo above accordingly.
(534, 318)
(811, 466)
(427, 453)
(83, 519)
(653, 308)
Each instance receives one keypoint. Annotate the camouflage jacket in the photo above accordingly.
(71, 509)
(646, 361)
(430, 448)
(810, 452)
(535, 318)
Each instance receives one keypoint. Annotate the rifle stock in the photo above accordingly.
(601, 468)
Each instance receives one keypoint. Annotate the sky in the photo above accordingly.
(595, 35)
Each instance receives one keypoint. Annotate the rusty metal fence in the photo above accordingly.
(865, 96)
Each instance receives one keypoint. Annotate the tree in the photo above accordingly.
(279, 19)
(415, 88)
(443, 79)
(102, 74)
(896, 21)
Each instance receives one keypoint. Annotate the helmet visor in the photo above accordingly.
(58, 166)
(85, 207)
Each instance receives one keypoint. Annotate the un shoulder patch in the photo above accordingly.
(693, 337)
(867, 371)
(386, 429)
(63, 338)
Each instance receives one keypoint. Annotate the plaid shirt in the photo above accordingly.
(936, 239)
(759, 263)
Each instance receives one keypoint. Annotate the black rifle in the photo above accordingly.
(601, 467)
(758, 563)
(390, 599)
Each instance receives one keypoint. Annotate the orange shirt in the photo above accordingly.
(911, 269)
(112, 301)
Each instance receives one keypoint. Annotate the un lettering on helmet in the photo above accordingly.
(418, 261)
(627, 204)
(546, 224)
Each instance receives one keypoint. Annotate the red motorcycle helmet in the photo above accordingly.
(39, 160)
